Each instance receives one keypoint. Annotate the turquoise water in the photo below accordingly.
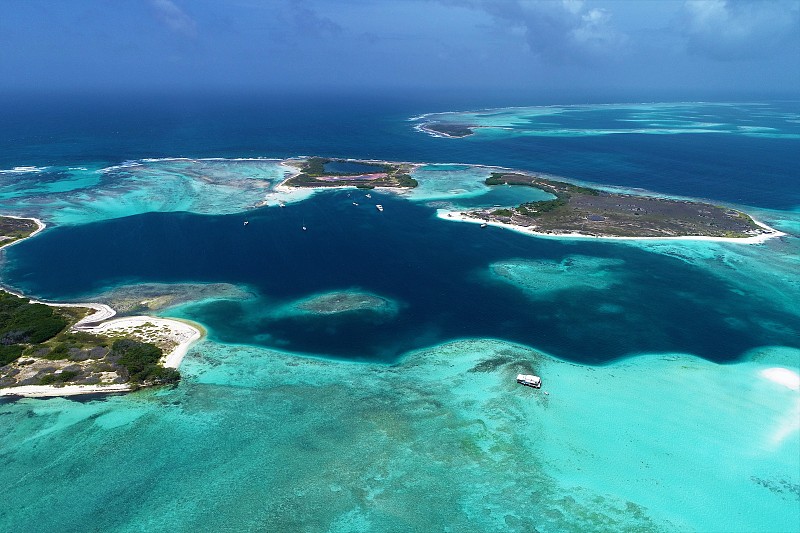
(436, 436)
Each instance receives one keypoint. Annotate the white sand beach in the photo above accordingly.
(39, 228)
(51, 391)
(174, 335)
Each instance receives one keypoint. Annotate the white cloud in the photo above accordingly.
(555, 31)
(175, 18)
(728, 30)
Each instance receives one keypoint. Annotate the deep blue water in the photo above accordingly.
(75, 129)
(435, 269)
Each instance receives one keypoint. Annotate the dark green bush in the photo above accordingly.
(141, 361)
(10, 353)
(61, 377)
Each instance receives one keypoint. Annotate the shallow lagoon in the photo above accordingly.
(430, 433)
(257, 439)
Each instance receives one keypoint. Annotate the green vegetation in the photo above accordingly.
(577, 189)
(141, 362)
(9, 353)
(14, 229)
(313, 174)
(562, 191)
(315, 166)
(495, 179)
(578, 209)
(40, 333)
(61, 377)
(535, 209)
(404, 180)
(23, 323)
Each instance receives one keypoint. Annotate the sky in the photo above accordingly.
(585, 49)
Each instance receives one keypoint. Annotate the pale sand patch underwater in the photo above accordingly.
(783, 376)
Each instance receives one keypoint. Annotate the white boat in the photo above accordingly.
(281, 204)
(355, 203)
(380, 207)
(484, 225)
(304, 228)
(246, 222)
(529, 380)
(369, 195)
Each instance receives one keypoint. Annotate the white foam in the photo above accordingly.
(23, 170)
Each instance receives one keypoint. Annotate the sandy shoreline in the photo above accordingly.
(39, 228)
(460, 216)
(178, 333)
(50, 391)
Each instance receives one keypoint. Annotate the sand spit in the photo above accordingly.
(39, 228)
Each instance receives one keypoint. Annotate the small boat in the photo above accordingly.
(304, 228)
(529, 380)
(246, 222)
(281, 204)
(355, 203)
(379, 206)
(369, 195)
(484, 225)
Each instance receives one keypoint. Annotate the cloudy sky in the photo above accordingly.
(591, 47)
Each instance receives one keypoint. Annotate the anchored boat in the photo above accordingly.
(529, 380)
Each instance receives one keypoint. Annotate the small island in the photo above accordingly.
(325, 172)
(582, 211)
(447, 130)
(339, 302)
(67, 349)
(13, 229)
(40, 345)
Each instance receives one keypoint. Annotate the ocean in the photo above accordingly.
(406, 417)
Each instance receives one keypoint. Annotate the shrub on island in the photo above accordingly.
(23, 323)
(140, 361)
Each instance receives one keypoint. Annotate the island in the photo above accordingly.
(447, 130)
(49, 349)
(575, 210)
(364, 174)
(14, 229)
(339, 302)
